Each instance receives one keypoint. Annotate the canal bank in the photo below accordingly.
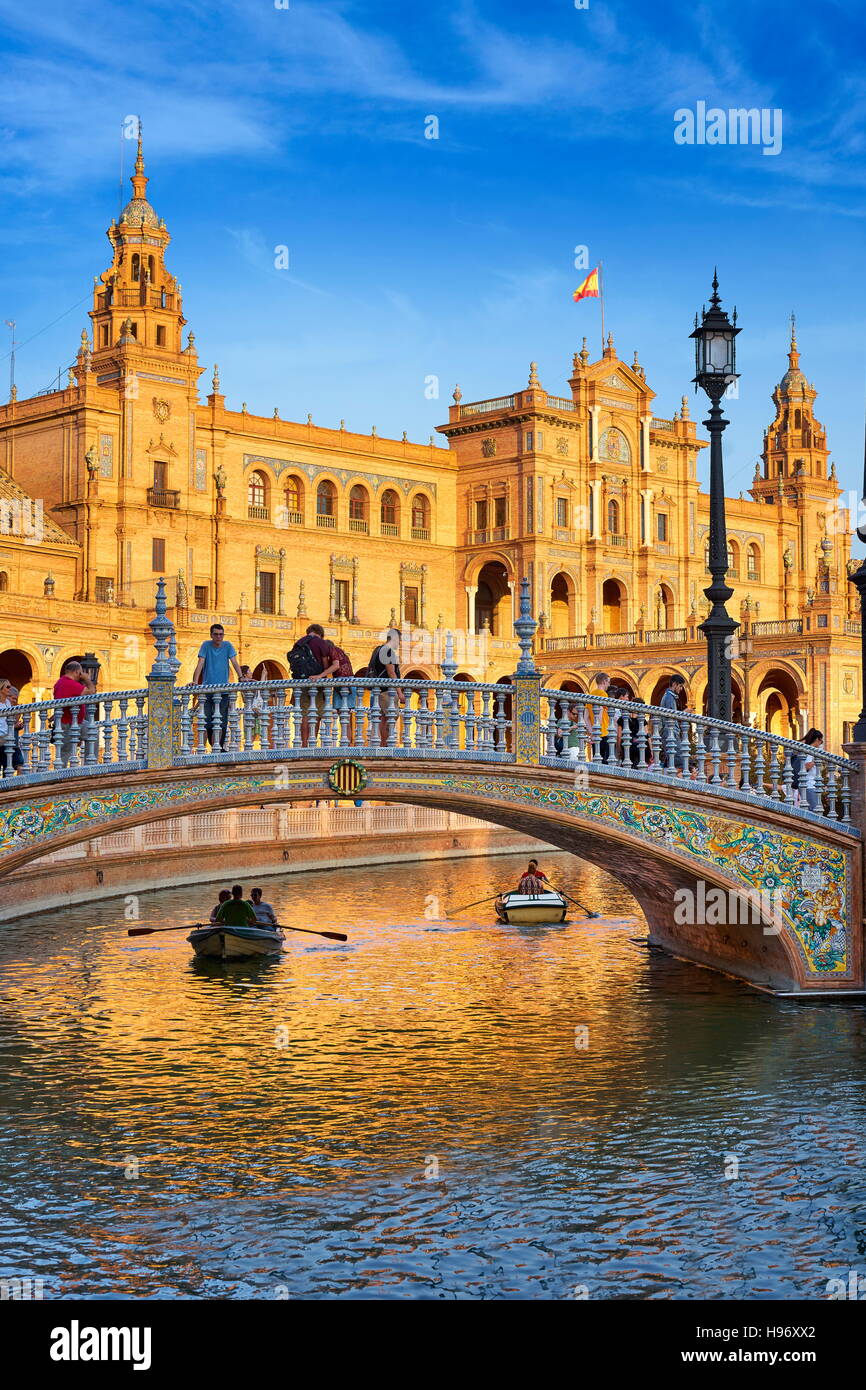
(250, 843)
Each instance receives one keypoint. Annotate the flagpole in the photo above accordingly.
(601, 300)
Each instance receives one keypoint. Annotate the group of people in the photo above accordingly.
(233, 910)
(314, 658)
(595, 721)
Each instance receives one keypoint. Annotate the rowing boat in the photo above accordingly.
(235, 943)
(522, 909)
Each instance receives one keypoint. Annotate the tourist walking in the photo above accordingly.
(212, 668)
(671, 701)
(809, 774)
(74, 681)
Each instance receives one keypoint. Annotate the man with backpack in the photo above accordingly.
(312, 658)
(384, 665)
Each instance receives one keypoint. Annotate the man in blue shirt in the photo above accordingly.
(212, 668)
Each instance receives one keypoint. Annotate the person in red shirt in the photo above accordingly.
(323, 651)
(73, 681)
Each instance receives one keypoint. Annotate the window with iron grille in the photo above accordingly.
(104, 589)
(201, 595)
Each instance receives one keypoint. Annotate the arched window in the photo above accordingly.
(753, 562)
(359, 509)
(151, 267)
(420, 517)
(257, 497)
(613, 517)
(798, 419)
(390, 513)
(136, 265)
(733, 558)
(295, 500)
(326, 505)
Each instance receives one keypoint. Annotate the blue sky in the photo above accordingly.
(411, 257)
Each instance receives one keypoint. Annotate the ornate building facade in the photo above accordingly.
(266, 524)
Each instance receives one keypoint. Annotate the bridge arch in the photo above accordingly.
(661, 841)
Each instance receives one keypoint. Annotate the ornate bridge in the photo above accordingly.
(737, 863)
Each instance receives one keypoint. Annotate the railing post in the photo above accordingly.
(857, 755)
(526, 712)
(160, 687)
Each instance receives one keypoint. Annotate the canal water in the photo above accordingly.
(418, 1113)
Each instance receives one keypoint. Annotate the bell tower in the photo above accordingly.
(795, 445)
(137, 300)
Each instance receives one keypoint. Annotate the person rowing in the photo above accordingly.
(534, 881)
(235, 912)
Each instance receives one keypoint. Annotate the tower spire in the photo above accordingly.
(793, 352)
(139, 180)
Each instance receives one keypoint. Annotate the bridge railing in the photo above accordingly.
(68, 737)
(267, 719)
(591, 730)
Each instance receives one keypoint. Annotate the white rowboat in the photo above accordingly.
(235, 943)
(522, 909)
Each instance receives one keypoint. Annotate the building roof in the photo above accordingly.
(30, 524)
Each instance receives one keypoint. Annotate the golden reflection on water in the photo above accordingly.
(178, 1128)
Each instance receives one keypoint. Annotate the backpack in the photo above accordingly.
(302, 661)
(344, 669)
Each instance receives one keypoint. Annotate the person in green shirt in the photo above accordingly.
(236, 912)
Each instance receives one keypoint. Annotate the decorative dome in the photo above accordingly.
(139, 213)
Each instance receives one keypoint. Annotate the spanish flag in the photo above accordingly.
(588, 289)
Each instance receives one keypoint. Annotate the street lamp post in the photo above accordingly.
(715, 362)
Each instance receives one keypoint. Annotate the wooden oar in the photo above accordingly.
(198, 926)
(478, 904)
(576, 903)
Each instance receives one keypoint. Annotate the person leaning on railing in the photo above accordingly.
(600, 687)
(73, 681)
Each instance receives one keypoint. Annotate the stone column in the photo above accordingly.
(355, 590)
(595, 489)
(645, 421)
(595, 411)
(471, 591)
(281, 605)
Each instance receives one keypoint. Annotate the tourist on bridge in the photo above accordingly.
(212, 668)
(809, 771)
(73, 681)
(236, 912)
(265, 915)
(224, 896)
(600, 687)
(385, 665)
(312, 658)
(671, 701)
(10, 725)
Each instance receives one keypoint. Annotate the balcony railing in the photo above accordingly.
(655, 636)
(658, 424)
(359, 523)
(258, 513)
(390, 528)
(329, 522)
(616, 639)
(163, 497)
(561, 644)
(852, 627)
(420, 533)
(560, 403)
(613, 539)
(295, 518)
(778, 627)
(486, 407)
